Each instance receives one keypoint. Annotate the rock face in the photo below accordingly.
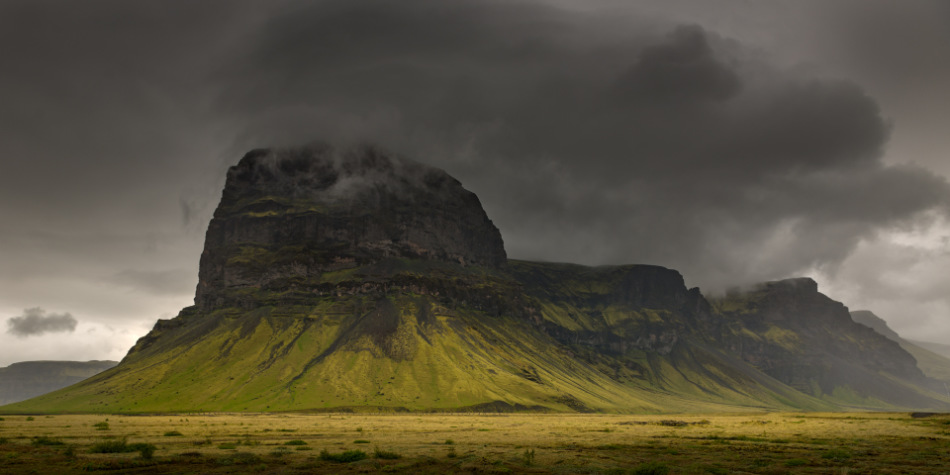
(21, 381)
(287, 216)
(612, 309)
(801, 337)
(876, 323)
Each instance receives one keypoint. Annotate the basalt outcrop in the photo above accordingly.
(288, 216)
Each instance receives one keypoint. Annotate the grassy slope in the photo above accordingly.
(350, 352)
(460, 361)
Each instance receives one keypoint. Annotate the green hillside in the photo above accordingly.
(416, 351)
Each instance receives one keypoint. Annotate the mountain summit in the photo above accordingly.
(287, 216)
(353, 279)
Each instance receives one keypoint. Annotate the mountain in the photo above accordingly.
(27, 379)
(792, 332)
(932, 363)
(354, 279)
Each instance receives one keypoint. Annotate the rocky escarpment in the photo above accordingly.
(803, 338)
(288, 216)
(612, 309)
(933, 364)
(876, 323)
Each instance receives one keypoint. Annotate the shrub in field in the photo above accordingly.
(101, 425)
(529, 456)
(145, 450)
(295, 442)
(360, 441)
(44, 440)
(651, 468)
(239, 458)
(343, 457)
(385, 454)
(227, 446)
(173, 433)
(837, 455)
(121, 447)
(109, 447)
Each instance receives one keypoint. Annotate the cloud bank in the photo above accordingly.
(665, 144)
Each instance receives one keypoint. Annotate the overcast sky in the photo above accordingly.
(735, 141)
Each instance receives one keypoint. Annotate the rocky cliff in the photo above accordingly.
(288, 216)
(933, 364)
(801, 337)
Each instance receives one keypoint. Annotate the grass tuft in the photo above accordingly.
(121, 446)
(385, 454)
(837, 455)
(651, 468)
(528, 457)
(110, 447)
(44, 440)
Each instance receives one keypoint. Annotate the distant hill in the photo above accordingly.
(354, 279)
(928, 355)
(938, 348)
(27, 379)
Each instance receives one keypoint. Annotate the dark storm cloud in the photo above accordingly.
(902, 43)
(95, 97)
(35, 322)
(590, 136)
(592, 143)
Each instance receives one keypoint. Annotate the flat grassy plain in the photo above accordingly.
(834, 443)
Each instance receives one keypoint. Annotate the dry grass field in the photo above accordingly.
(834, 443)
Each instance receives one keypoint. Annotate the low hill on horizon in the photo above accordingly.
(354, 279)
(27, 379)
